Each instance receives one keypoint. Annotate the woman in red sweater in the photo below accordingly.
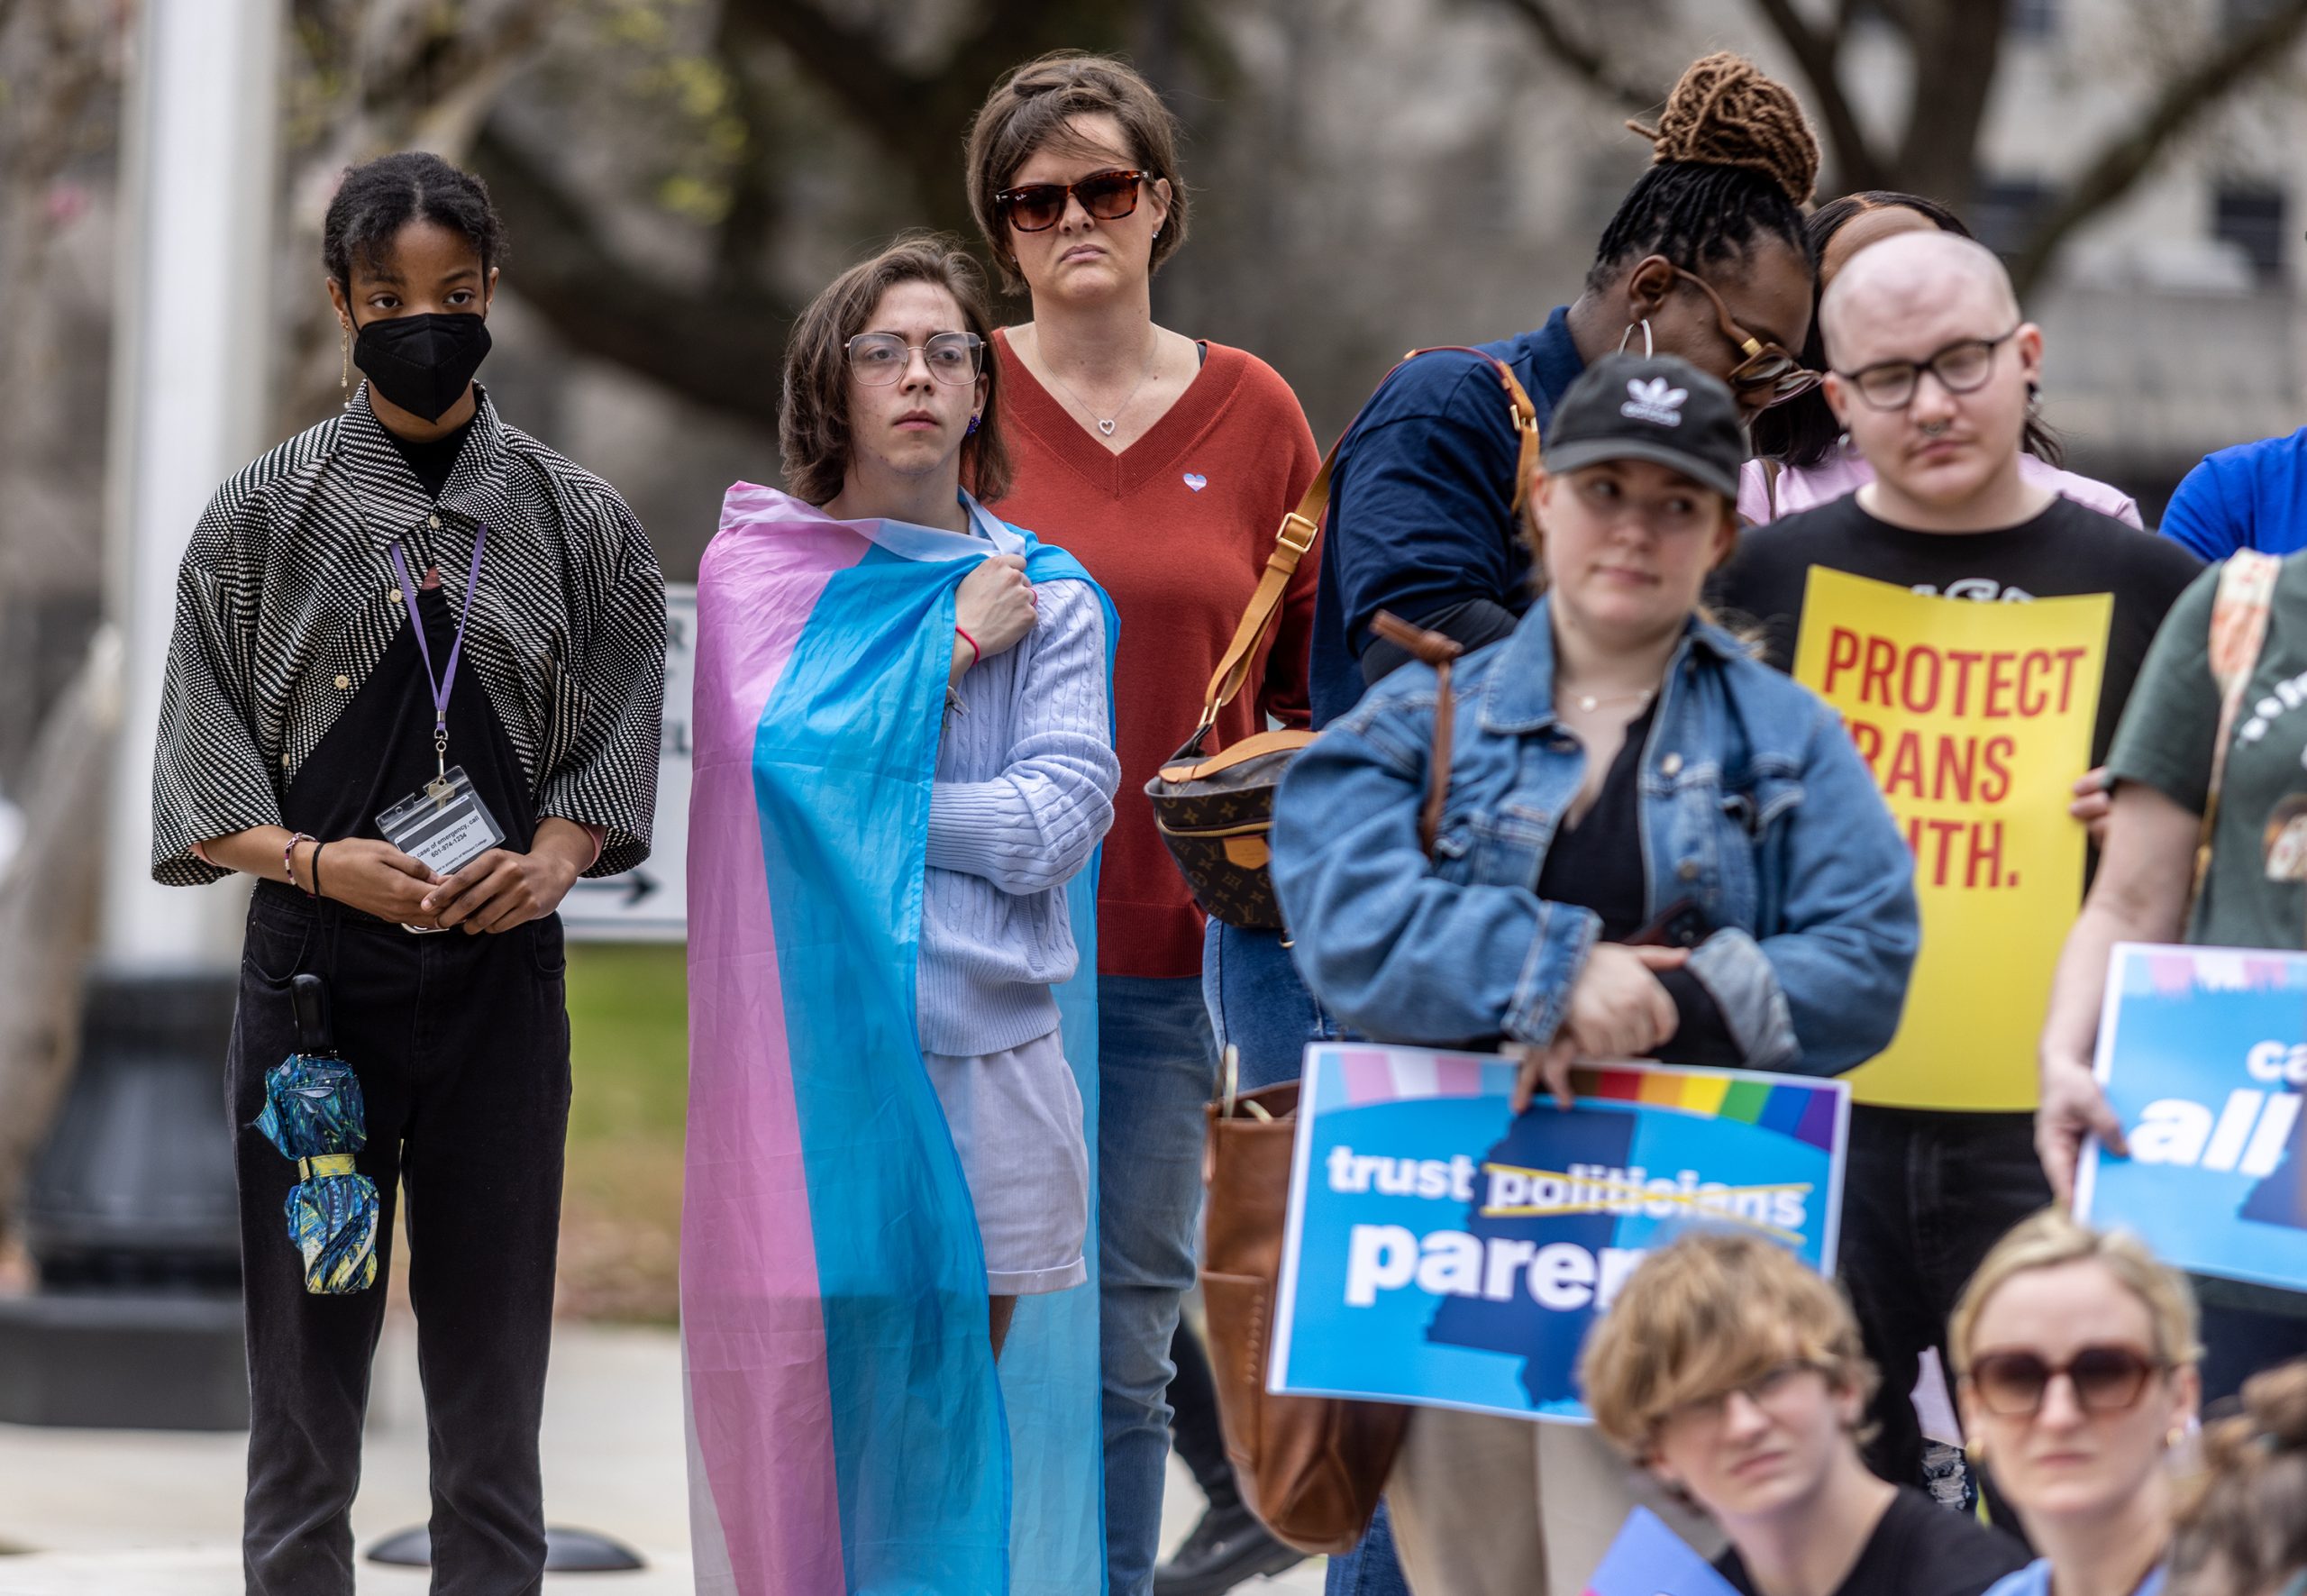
(1164, 464)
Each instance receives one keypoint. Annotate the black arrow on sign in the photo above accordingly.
(637, 885)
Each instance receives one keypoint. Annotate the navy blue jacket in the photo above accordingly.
(1421, 520)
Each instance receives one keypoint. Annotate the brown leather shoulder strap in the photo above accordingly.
(1437, 651)
(1300, 527)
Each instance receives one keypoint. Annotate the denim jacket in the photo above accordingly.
(1754, 805)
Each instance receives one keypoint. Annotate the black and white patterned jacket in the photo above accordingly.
(287, 600)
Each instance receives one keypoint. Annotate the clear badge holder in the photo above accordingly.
(444, 825)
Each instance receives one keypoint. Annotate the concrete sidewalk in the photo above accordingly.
(157, 1513)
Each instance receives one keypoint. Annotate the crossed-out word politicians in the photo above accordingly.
(1560, 1275)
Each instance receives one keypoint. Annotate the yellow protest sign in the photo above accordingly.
(1975, 719)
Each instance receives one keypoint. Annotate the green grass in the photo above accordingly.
(628, 1023)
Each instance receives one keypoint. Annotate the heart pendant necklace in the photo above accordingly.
(1105, 424)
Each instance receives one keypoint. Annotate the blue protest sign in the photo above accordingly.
(1648, 1559)
(2201, 1054)
(1442, 1251)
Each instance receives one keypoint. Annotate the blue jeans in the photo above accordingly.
(1156, 1067)
(1258, 1004)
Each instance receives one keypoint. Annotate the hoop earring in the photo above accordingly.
(344, 377)
(1627, 337)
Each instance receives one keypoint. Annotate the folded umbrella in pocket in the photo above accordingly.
(312, 1113)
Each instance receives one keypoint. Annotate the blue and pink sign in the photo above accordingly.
(1443, 1250)
(2201, 1054)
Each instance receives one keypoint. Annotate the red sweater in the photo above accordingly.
(1176, 528)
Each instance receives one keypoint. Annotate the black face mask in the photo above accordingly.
(423, 363)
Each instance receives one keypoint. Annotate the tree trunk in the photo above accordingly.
(48, 916)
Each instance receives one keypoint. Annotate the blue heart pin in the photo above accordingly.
(1196, 481)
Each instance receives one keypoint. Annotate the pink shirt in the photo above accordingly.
(1847, 471)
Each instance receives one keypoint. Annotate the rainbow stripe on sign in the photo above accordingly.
(1802, 1109)
(1792, 1108)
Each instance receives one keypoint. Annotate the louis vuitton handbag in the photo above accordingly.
(1215, 810)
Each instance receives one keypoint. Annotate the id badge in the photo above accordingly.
(443, 826)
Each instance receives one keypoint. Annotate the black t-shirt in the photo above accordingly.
(1918, 1549)
(2067, 550)
(433, 459)
(1596, 863)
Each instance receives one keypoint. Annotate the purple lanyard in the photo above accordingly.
(442, 683)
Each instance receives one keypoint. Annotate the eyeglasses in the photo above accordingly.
(2105, 1379)
(1771, 1382)
(1962, 367)
(1768, 365)
(879, 358)
(1036, 207)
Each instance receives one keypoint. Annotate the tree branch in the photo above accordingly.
(722, 348)
(1819, 56)
(2131, 155)
(1584, 60)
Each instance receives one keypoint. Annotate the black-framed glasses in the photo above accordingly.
(1768, 366)
(1036, 207)
(1773, 1382)
(1962, 367)
(879, 358)
(2106, 1379)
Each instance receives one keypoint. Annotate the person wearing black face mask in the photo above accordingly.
(332, 726)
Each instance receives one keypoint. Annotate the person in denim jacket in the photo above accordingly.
(1693, 790)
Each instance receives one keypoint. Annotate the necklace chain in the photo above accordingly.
(1105, 424)
(1590, 702)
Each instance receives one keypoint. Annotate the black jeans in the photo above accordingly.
(461, 1045)
(1924, 1196)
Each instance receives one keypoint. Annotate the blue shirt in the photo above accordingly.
(1421, 518)
(2252, 496)
(2035, 1579)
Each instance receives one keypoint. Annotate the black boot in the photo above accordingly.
(1227, 1546)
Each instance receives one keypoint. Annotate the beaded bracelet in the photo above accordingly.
(288, 860)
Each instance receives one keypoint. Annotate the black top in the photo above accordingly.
(2067, 550)
(381, 749)
(1918, 1549)
(1596, 863)
(435, 459)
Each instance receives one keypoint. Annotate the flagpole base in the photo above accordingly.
(566, 1551)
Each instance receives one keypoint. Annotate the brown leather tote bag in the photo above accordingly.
(1310, 1467)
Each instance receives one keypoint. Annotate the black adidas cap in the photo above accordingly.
(1653, 407)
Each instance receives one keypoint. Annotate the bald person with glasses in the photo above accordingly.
(1934, 370)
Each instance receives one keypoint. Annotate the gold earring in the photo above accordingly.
(2178, 1432)
(344, 377)
(1976, 1447)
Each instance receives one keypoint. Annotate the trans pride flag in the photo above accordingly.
(848, 1430)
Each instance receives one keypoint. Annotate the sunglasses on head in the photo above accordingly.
(1036, 207)
(2105, 1378)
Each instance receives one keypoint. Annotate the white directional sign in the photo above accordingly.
(651, 903)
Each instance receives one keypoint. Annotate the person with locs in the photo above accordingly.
(1715, 881)
(1802, 456)
(412, 604)
(1164, 463)
(1932, 371)
(1734, 1374)
(1707, 260)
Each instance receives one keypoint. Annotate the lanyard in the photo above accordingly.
(442, 683)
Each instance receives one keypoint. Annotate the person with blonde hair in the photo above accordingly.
(2242, 1529)
(2075, 1355)
(1734, 1374)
